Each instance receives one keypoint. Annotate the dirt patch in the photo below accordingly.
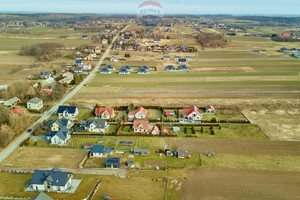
(240, 184)
(44, 158)
(222, 69)
(151, 163)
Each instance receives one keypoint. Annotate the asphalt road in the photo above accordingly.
(18, 141)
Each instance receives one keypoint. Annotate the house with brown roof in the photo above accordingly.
(140, 126)
(105, 113)
(138, 114)
(210, 109)
(192, 113)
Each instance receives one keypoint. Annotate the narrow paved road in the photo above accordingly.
(18, 141)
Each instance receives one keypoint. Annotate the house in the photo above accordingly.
(88, 145)
(156, 40)
(127, 67)
(46, 91)
(41, 196)
(192, 113)
(35, 104)
(105, 113)
(283, 50)
(45, 75)
(84, 37)
(53, 180)
(95, 125)
(142, 71)
(140, 126)
(140, 151)
(3, 87)
(68, 77)
(138, 114)
(105, 71)
(183, 154)
(170, 68)
(60, 137)
(78, 70)
(113, 59)
(177, 58)
(11, 102)
(16, 110)
(112, 162)
(210, 109)
(183, 68)
(123, 71)
(188, 57)
(98, 49)
(168, 114)
(175, 128)
(78, 62)
(145, 67)
(57, 124)
(104, 41)
(87, 67)
(67, 111)
(182, 61)
(99, 151)
(110, 67)
(164, 131)
(297, 54)
(155, 130)
(167, 58)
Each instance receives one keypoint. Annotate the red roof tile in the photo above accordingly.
(143, 123)
(108, 111)
(16, 110)
(188, 111)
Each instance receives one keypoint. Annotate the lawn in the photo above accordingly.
(43, 158)
(82, 113)
(154, 114)
(253, 162)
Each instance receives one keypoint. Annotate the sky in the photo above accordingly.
(235, 7)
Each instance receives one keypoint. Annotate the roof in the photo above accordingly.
(55, 176)
(123, 71)
(13, 100)
(114, 58)
(110, 67)
(113, 161)
(62, 133)
(142, 71)
(100, 111)
(99, 123)
(183, 67)
(183, 152)
(61, 122)
(165, 131)
(140, 150)
(88, 144)
(188, 111)
(69, 109)
(155, 128)
(16, 110)
(143, 123)
(98, 149)
(170, 67)
(141, 109)
(209, 107)
(41, 196)
(182, 60)
(35, 100)
(105, 70)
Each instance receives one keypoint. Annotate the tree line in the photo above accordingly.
(211, 40)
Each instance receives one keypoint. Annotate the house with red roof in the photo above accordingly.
(164, 131)
(105, 113)
(168, 114)
(46, 91)
(140, 126)
(138, 114)
(155, 130)
(210, 109)
(16, 110)
(192, 113)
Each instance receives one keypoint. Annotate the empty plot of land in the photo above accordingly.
(42, 158)
(236, 184)
(237, 146)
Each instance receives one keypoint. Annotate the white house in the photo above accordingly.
(60, 137)
(192, 113)
(95, 125)
(57, 124)
(113, 59)
(11, 102)
(67, 111)
(53, 180)
(35, 104)
(138, 114)
(99, 151)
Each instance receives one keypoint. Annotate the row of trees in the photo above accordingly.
(211, 40)
(42, 51)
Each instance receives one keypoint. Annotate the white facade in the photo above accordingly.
(68, 115)
(35, 105)
(58, 141)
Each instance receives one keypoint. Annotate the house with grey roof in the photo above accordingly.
(60, 137)
(67, 111)
(53, 180)
(35, 104)
(183, 68)
(57, 124)
(105, 71)
(297, 54)
(177, 58)
(167, 58)
(170, 68)
(140, 151)
(11, 102)
(100, 151)
(112, 162)
(142, 71)
(123, 71)
(95, 125)
(41, 196)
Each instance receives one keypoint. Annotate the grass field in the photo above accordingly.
(238, 184)
(44, 158)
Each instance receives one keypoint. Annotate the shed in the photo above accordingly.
(176, 128)
(141, 151)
